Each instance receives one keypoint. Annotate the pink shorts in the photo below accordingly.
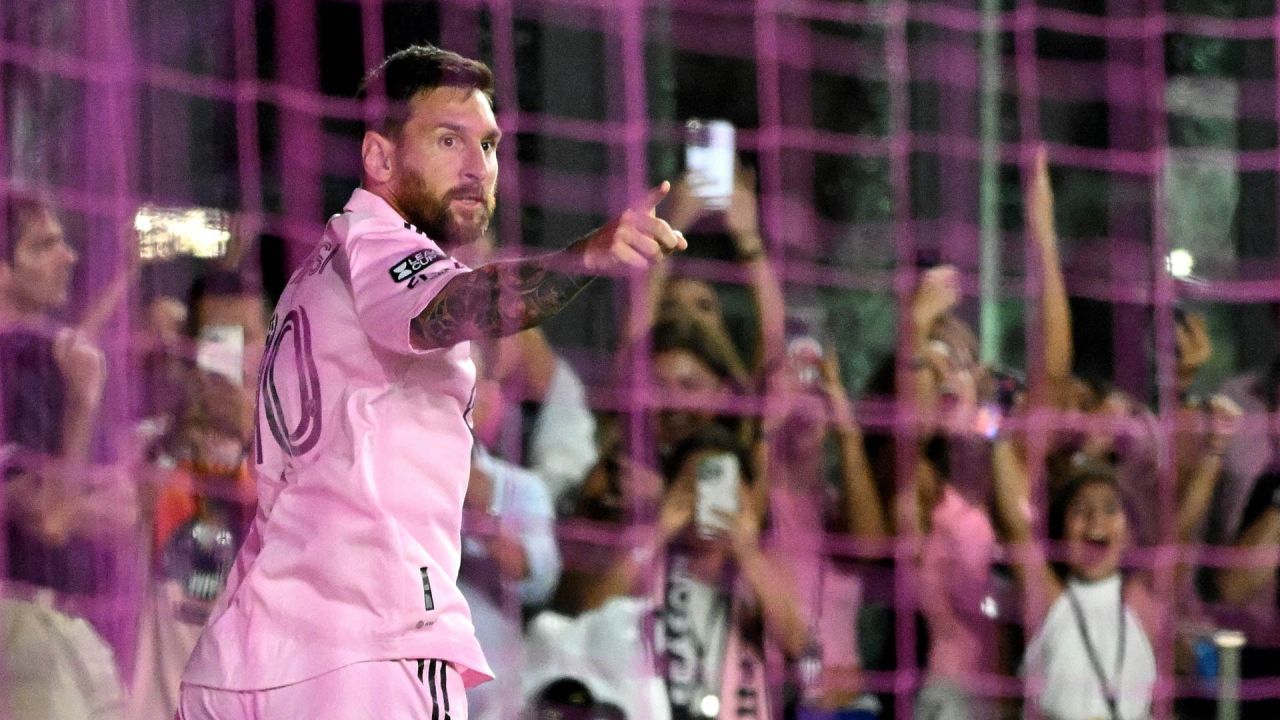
(375, 690)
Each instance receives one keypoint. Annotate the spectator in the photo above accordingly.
(1128, 438)
(941, 508)
(1253, 582)
(1250, 451)
(597, 660)
(1090, 654)
(510, 561)
(690, 380)
(684, 296)
(692, 374)
(810, 497)
(1100, 460)
(940, 494)
(719, 597)
(159, 348)
(562, 437)
(51, 379)
(811, 414)
(204, 496)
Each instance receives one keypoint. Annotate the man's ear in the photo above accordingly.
(377, 152)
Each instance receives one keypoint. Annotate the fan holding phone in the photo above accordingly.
(716, 201)
(719, 484)
(718, 584)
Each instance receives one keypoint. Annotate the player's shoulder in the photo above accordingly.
(355, 224)
(368, 215)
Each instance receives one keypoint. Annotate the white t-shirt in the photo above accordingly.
(361, 456)
(1060, 676)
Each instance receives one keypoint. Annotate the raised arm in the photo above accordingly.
(1198, 480)
(1040, 586)
(502, 298)
(1055, 312)
(83, 369)
(1241, 582)
(767, 581)
(935, 297)
(742, 220)
(864, 508)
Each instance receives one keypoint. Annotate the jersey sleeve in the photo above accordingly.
(395, 273)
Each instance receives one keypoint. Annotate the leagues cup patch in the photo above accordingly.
(410, 266)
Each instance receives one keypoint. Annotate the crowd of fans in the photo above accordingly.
(716, 533)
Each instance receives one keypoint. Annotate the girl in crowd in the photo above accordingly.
(1090, 655)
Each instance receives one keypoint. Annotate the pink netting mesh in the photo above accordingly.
(873, 154)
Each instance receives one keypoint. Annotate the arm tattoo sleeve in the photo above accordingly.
(497, 299)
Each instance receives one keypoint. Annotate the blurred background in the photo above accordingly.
(189, 154)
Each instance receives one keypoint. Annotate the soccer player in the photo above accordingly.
(343, 602)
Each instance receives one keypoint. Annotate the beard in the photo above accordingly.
(433, 214)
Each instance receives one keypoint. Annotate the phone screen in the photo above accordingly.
(220, 350)
(709, 157)
(806, 335)
(986, 421)
(719, 476)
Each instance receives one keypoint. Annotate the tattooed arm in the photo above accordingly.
(497, 299)
(506, 297)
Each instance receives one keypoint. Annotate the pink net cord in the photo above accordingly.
(100, 120)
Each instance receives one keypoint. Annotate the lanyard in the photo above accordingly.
(1108, 691)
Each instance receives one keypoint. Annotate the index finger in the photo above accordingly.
(651, 199)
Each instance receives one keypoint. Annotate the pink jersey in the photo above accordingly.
(361, 457)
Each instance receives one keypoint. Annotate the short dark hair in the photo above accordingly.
(217, 283)
(421, 68)
(19, 212)
(712, 438)
(682, 333)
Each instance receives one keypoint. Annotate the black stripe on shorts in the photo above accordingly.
(431, 684)
(437, 673)
(444, 690)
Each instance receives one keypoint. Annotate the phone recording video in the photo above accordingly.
(1006, 387)
(718, 479)
(806, 332)
(220, 350)
(709, 157)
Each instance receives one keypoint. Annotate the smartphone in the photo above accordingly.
(719, 477)
(1006, 387)
(987, 420)
(165, 233)
(220, 350)
(709, 156)
(805, 333)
